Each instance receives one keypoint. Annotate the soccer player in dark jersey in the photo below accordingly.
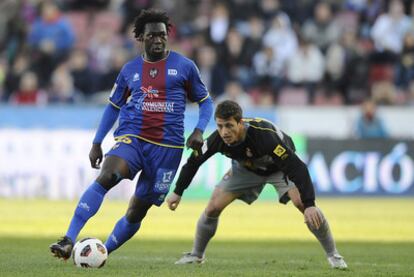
(261, 153)
(149, 98)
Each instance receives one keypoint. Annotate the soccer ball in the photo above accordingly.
(89, 252)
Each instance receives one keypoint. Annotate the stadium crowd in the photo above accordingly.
(257, 52)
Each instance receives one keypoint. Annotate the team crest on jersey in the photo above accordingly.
(150, 92)
(153, 72)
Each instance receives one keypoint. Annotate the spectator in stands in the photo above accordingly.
(84, 79)
(233, 56)
(107, 80)
(102, 46)
(235, 92)
(368, 12)
(306, 67)
(212, 72)
(390, 28)
(15, 71)
(12, 28)
(62, 89)
(28, 92)
(51, 39)
(253, 41)
(341, 62)
(268, 70)
(322, 29)
(219, 24)
(268, 9)
(405, 66)
(281, 38)
(369, 125)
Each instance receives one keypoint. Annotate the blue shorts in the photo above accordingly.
(158, 165)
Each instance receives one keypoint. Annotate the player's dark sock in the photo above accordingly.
(324, 236)
(206, 228)
(87, 207)
(122, 232)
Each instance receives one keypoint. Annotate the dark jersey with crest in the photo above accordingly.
(265, 150)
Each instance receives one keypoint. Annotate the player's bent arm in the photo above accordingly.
(195, 141)
(205, 111)
(298, 173)
(187, 173)
(109, 117)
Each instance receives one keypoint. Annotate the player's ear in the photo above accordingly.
(140, 38)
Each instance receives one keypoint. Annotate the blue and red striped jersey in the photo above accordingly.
(152, 98)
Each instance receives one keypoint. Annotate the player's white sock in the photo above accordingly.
(324, 236)
(206, 228)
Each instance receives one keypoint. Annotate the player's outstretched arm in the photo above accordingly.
(173, 200)
(195, 140)
(108, 119)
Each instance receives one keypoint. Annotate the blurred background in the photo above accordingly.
(337, 75)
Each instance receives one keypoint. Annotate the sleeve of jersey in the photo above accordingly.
(206, 110)
(108, 119)
(120, 91)
(196, 88)
(297, 171)
(189, 170)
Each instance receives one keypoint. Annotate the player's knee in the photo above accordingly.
(135, 215)
(213, 211)
(108, 179)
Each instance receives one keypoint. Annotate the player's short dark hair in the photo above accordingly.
(228, 109)
(150, 16)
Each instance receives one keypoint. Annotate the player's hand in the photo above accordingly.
(314, 217)
(195, 140)
(173, 200)
(95, 155)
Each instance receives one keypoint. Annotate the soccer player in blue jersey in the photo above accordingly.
(149, 98)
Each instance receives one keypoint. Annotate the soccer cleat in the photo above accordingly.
(337, 261)
(189, 258)
(62, 249)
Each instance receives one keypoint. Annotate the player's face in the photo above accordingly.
(155, 40)
(230, 130)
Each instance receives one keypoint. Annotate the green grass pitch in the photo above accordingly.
(375, 235)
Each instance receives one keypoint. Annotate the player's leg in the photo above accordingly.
(129, 224)
(237, 183)
(207, 225)
(113, 170)
(122, 161)
(323, 234)
(208, 221)
(158, 172)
